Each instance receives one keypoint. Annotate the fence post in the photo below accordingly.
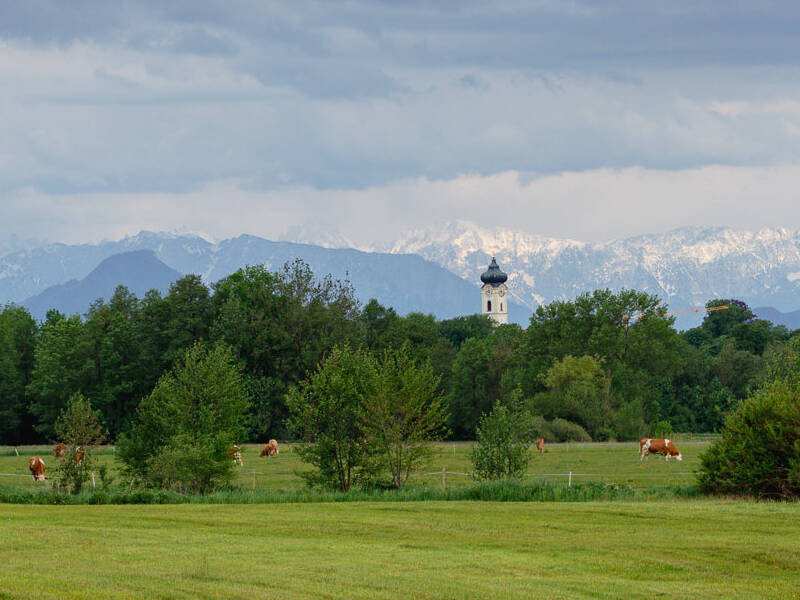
(15, 450)
(569, 483)
(92, 479)
(444, 478)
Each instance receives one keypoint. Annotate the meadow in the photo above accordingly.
(615, 463)
(680, 549)
(698, 548)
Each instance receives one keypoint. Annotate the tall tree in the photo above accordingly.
(325, 414)
(405, 413)
(18, 333)
(185, 427)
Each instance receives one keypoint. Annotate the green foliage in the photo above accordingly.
(577, 390)
(81, 429)
(503, 441)
(184, 428)
(759, 453)
(325, 413)
(18, 333)
(662, 429)
(64, 365)
(404, 412)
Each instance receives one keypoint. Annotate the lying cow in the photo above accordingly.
(658, 446)
(540, 445)
(270, 449)
(36, 465)
(235, 452)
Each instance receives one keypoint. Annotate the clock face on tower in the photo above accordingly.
(501, 293)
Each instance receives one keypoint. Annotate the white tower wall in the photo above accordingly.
(494, 302)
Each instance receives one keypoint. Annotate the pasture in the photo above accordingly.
(679, 549)
(606, 462)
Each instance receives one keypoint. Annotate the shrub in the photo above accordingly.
(565, 431)
(759, 452)
(80, 428)
(501, 451)
(662, 429)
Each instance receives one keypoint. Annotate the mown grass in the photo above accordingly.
(611, 463)
(695, 549)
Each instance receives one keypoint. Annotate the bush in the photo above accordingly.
(501, 451)
(759, 453)
(662, 429)
(604, 434)
(184, 428)
(565, 431)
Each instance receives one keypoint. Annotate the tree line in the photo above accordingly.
(602, 366)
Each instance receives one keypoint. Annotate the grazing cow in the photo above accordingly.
(271, 449)
(78, 456)
(235, 452)
(36, 465)
(60, 450)
(540, 445)
(658, 446)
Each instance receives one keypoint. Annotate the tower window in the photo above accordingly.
(489, 306)
(501, 307)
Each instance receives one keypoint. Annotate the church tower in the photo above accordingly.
(494, 294)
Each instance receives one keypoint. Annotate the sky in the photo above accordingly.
(364, 120)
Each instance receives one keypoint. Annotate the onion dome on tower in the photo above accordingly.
(494, 294)
(493, 275)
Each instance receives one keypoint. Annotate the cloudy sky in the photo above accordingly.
(564, 118)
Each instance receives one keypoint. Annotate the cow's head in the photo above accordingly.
(678, 457)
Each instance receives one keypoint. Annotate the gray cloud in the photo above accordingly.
(147, 97)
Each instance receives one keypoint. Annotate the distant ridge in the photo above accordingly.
(790, 320)
(139, 271)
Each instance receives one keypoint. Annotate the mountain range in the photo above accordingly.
(437, 270)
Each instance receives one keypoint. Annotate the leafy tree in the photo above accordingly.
(459, 329)
(759, 452)
(18, 333)
(184, 428)
(188, 316)
(405, 412)
(81, 429)
(64, 365)
(577, 390)
(325, 414)
(119, 380)
(503, 442)
(281, 325)
(720, 322)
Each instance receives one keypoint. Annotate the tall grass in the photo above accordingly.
(494, 491)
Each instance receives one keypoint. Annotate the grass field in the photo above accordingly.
(606, 462)
(679, 549)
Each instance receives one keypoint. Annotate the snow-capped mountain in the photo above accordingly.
(686, 267)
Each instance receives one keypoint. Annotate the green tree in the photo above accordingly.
(459, 329)
(503, 443)
(281, 325)
(184, 428)
(18, 333)
(404, 414)
(64, 365)
(577, 390)
(325, 414)
(81, 429)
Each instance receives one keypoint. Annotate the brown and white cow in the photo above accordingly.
(540, 445)
(60, 450)
(270, 449)
(658, 446)
(235, 452)
(36, 465)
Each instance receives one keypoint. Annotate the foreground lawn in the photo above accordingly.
(606, 462)
(687, 549)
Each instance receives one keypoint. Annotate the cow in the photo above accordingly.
(270, 449)
(235, 452)
(60, 450)
(78, 456)
(658, 446)
(36, 465)
(540, 445)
